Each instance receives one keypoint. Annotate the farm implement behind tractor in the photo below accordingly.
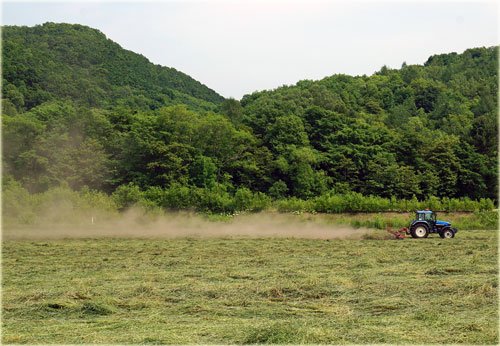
(425, 223)
(398, 234)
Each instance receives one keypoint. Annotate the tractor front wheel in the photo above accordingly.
(420, 231)
(447, 233)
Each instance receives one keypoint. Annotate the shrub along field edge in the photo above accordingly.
(61, 204)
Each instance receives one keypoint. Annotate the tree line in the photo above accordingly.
(418, 132)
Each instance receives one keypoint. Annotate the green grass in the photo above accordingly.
(152, 291)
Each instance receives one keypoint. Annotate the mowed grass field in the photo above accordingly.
(246, 290)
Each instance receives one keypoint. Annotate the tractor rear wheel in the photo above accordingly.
(420, 231)
(447, 233)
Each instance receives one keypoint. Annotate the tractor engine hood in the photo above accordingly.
(442, 223)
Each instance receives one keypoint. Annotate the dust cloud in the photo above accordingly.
(133, 224)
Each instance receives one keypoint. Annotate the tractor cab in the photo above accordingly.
(425, 215)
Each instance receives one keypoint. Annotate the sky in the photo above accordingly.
(240, 46)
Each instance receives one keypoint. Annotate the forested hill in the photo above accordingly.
(58, 61)
(418, 130)
(81, 112)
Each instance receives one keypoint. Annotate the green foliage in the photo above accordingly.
(57, 61)
(56, 143)
(59, 205)
(278, 190)
(294, 204)
(203, 172)
(420, 130)
(81, 111)
(233, 110)
(246, 200)
(17, 203)
(355, 202)
(126, 196)
(243, 198)
(214, 199)
(478, 220)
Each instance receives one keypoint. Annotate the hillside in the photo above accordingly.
(64, 61)
(81, 112)
(419, 130)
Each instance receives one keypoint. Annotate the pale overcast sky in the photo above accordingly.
(237, 47)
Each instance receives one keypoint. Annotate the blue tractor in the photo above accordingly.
(425, 223)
